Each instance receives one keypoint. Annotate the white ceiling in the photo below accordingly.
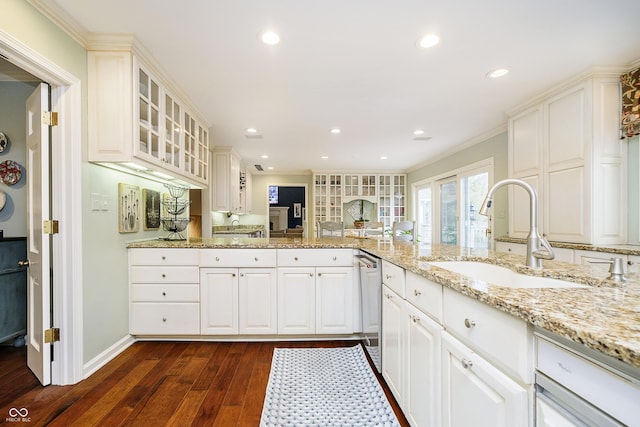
(353, 64)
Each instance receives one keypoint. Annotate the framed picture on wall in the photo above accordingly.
(128, 208)
(151, 209)
(297, 210)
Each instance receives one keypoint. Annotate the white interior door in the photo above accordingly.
(38, 249)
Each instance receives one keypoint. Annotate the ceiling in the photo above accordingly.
(354, 65)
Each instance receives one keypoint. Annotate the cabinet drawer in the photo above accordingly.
(143, 274)
(315, 257)
(498, 336)
(393, 277)
(425, 295)
(165, 293)
(165, 319)
(237, 258)
(163, 256)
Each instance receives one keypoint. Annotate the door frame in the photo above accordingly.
(305, 216)
(66, 185)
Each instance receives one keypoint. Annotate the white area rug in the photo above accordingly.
(324, 387)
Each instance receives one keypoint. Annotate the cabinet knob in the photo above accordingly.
(388, 276)
(164, 319)
(256, 259)
(233, 274)
(319, 274)
(469, 323)
(335, 258)
(241, 274)
(164, 294)
(417, 292)
(295, 258)
(164, 257)
(164, 275)
(466, 364)
(414, 319)
(310, 274)
(509, 250)
(217, 258)
(389, 296)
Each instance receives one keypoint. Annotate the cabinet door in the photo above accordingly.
(258, 301)
(334, 300)
(392, 342)
(475, 393)
(234, 185)
(296, 301)
(219, 301)
(422, 404)
(148, 146)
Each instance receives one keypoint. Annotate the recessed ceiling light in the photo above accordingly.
(251, 130)
(498, 72)
(264, 156)
(335, 131)
(324, 157)
(418, 132)
(427, 41)
(270, 37)
(270, 168)
(383, 157)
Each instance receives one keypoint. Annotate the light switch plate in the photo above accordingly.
(96, 201)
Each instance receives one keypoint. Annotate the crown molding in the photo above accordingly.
(60, 17)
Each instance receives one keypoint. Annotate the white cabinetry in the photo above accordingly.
(360, 187)
(392, 190)
(225, 190)
(392, 342)
(164, 292)
(238, 291)
(567, 148)
(475, 393)
(133, 117)
(327, 197)
(315, 291)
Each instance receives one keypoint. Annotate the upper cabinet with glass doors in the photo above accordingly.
(136, 121)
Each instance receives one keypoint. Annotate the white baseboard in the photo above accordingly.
(106, 356)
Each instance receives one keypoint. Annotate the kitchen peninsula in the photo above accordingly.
(603, 317)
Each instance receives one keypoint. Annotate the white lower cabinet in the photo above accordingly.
(257, 302)
(315, 300)
(392, 342)
(475, 393)
(422, 403)
(296, 301)
(219, 301)
(238, 301)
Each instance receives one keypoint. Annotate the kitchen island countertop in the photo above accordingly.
(604, 317)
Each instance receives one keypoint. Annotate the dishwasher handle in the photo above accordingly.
(366, 262)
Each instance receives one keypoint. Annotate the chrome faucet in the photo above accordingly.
(535, 242)
(234, 223)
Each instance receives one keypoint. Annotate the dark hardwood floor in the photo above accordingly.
(154, 384)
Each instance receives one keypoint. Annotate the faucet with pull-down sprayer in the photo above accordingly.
(535, 242)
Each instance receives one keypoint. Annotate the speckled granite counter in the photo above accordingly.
(613, 249)
(604, 317)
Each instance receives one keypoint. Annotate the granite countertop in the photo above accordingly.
(604, 317)
(614, 249)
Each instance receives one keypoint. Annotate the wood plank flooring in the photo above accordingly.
(155, 384)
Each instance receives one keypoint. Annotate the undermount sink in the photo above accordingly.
(501, 276)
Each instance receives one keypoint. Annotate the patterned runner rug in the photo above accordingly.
(324, 387)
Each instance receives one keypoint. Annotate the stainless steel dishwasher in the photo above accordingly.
(371, 294)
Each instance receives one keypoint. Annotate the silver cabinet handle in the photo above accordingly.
(417, 292)
(241, 274)
(414, 319)
(389, 296)
(310, 274)
(469, 323)
(256, 258)
(164, 319)
(335, 258)
(466, 363)
(217, 258)
(388, 276)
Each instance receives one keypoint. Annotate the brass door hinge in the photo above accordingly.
(50, 226)
(50, 118)
(51, 335)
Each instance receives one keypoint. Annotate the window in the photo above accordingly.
(446, 207)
